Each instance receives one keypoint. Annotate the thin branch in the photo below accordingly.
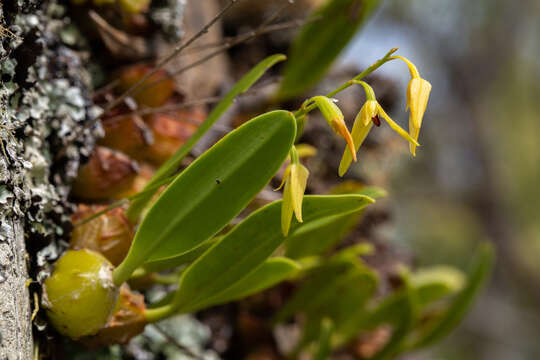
(238, 40)
(105, 89)
(177, 50)
(173, 341)
(228, 40)
(203, 101)
(121, 202)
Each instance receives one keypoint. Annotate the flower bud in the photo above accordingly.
(334, 117)
(109, 234)
(295, 181)
(105, 176)
(80, 296)
(417, 99)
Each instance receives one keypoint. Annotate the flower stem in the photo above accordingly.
(369, 70)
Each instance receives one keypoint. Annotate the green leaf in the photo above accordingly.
(355, 187)
(478, 275)
(324, 345)
(321, 41)
(268, 274)
(320, 236)
(403, 323)
(434, 283)
(212, 190)
(185, 258)
(316, 282)
(429, 285)
(336, 299)
(172, 165)
(325, 286)
(249, 244)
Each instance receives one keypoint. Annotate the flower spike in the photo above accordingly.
(369, 115)
(417, 98)
(334, 117)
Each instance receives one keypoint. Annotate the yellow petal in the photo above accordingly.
(341, 129)
(286, 209)
(334, 117)
(359, 134)
(285, 176)
(408, 95)
(299, 176)
(329, 109)
(396, 127)
(418, 93)
(413, 131)
(305, 150)
(368, 111)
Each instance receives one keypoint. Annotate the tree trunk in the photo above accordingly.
(44, 102)
(15, 328)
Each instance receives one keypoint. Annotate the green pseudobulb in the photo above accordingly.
(80, 296)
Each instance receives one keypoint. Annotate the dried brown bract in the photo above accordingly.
(106, 175)
(127, 321)
(109, 234)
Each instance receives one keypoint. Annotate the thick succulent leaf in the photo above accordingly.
(323, 235)
(183, 259)
(429, 285)
(212, 190)
(403, 323)
(324, 347)
(337, 300)
(478, 275)
(436, 282)
(321, 41)
(320, 236)
(317, 294)
(172, 165)
(268, 274)
(355, 187)
(249, 244)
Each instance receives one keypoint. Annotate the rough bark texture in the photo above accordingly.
(44, 100)
(15, 326)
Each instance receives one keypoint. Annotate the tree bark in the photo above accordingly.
(45, 99)
(15, 325)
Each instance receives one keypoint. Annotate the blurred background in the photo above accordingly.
(477, 173)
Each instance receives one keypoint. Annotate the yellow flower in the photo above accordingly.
(295, 181)
(334, 117)
(369, 114)
(417, 98)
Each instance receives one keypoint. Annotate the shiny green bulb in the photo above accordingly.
(80, 296)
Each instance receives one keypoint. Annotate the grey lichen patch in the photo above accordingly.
(169, 16)
(45, 99)
(42, 114)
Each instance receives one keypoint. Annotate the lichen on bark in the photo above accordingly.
(44, 100)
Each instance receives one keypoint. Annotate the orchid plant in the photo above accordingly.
(185, 230)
